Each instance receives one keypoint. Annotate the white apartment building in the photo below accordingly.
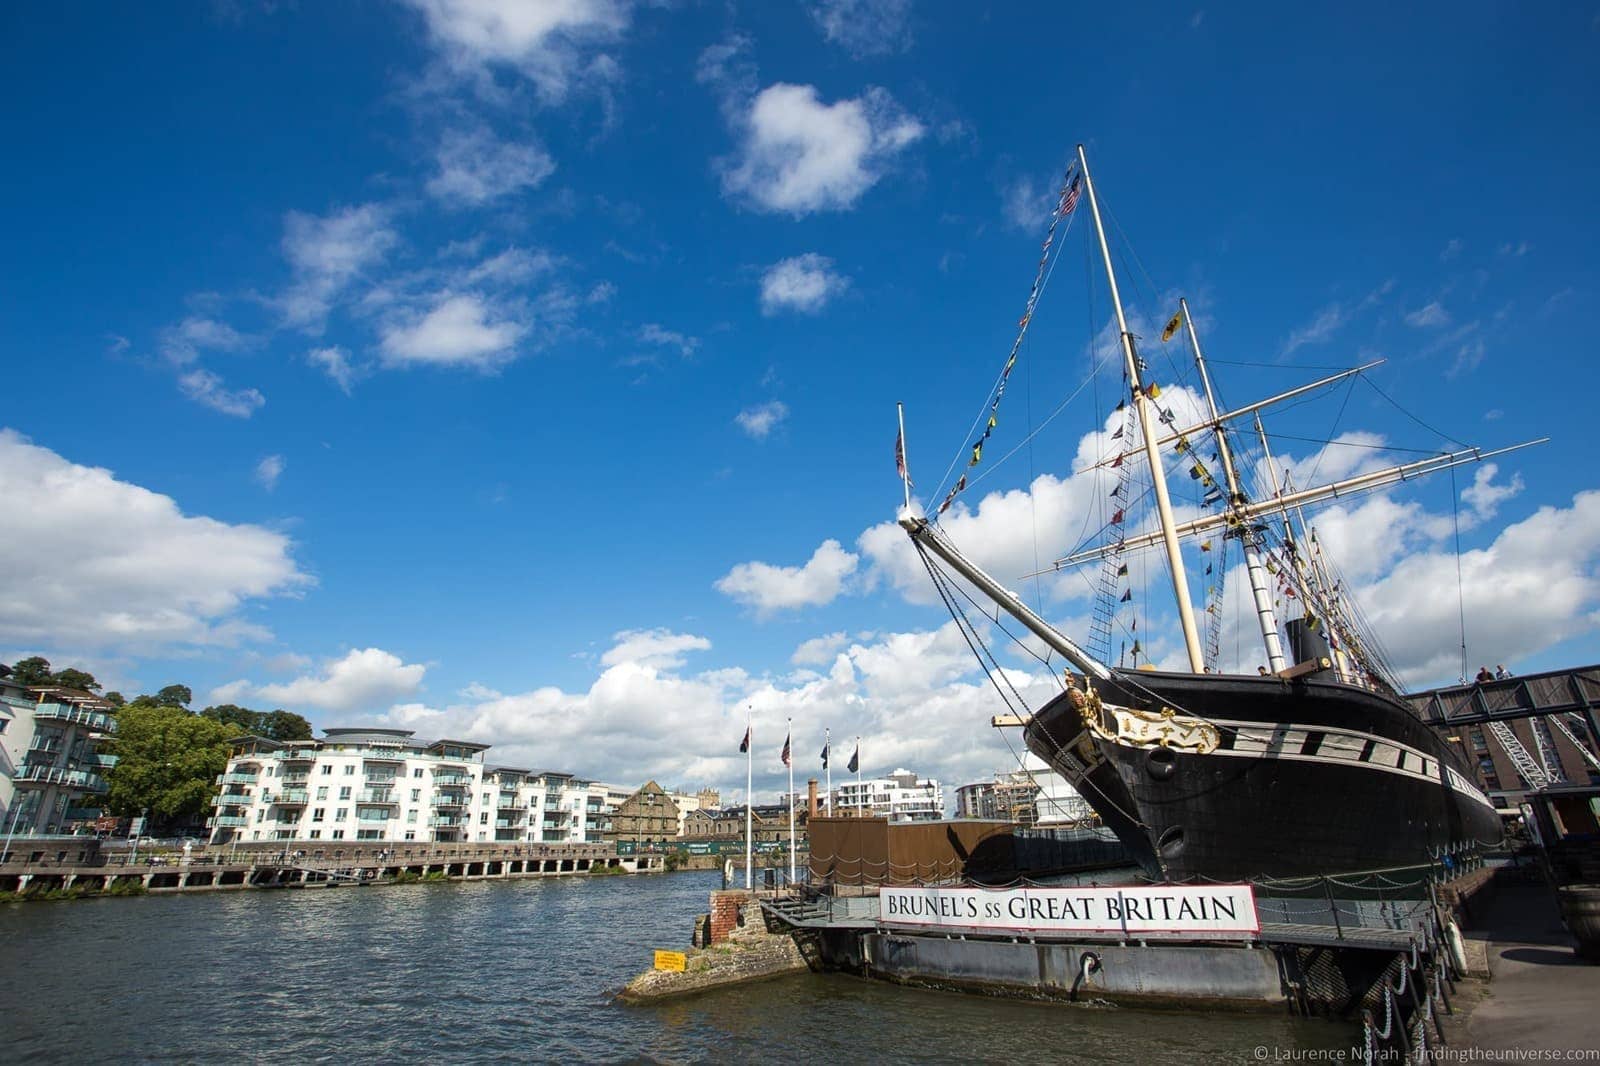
(50, 762)
(1033, 795)
(900, 797)
(385, 785)
(1057, 803)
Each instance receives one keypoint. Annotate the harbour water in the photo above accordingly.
(510, 971)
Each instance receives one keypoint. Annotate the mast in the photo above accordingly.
(1265, 616)
(1141, 403)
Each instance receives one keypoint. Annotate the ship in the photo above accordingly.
(1310, 765)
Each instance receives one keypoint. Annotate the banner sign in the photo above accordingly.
(1130, 909)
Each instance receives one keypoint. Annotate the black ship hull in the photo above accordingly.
(1297, 778)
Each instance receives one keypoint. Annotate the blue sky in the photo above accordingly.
(506, 369)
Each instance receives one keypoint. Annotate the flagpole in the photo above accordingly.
(790, 760)
(859, 797)
(749, 775)
(827, 746)
(905, 467)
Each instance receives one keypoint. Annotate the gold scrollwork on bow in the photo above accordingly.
(1148, 729)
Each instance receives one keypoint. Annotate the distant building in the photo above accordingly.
(1031, 796)
(648, 816)
(385, 785)
(50, 772)
(900, 797)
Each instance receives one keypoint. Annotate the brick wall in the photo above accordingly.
(725, 912)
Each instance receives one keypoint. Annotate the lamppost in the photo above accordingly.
(138, 831)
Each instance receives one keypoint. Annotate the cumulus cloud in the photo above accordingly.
(89, 561)
(800, 155)
(864, 27)
(459, 330)
(656, 648)
(268, 470)
(183, 343)
(759, 421)
(207, 389)
(335, 363)
(364, 680)
(1318, 330)
(819, 651)
(653, 333)
(770, 588)
(326, 254)
(476, 167)
(554, 45)
(802, 283)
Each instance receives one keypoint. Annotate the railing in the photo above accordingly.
(369, 816)
(231, 820)
(63, 712)
(289, 780)
(440, 820)
(236, 778)
(82, 814)
(458, 780)
(49, 775)
(446, 801)
(292, 797)
(378, 795)
(296, 756)
(234, 799)
(382, 777)
(100, 760)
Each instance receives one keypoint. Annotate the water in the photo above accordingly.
(508, 971)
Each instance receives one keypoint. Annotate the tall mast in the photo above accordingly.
(1265, 615)
(1141, 404)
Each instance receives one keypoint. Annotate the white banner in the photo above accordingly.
(1131, 909)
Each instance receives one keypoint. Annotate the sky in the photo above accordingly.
(526, 372)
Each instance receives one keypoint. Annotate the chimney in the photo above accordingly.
(811, 798)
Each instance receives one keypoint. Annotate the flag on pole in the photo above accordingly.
(744, 745)
(786, 751)
(1122, 571)
(1172, 327)
(1126, 596)
(900, 456)
(855, 760)
(825, 748)
(1069, 199)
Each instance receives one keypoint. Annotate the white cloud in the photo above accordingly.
(1484, 496)
(819, 651)
(459, 330)
(1515, 249)
(864, 27)
(770, 588)
(652, 333)
(182, 344)
(1024, 203)
(268, 470)
(1451, 250)
(366, 679)
(87, 560)
(1317, 331)
(554, 44)
(656, 648)
(206, 388)
(1429, 316)
(800, 155)
(336, 364)
(476, 167)
(802, 283)
(759, 421)
(328, 253)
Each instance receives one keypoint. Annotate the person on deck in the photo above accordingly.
(1484, 675)
(1500, 672)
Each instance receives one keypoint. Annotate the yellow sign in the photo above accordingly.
(675, 961)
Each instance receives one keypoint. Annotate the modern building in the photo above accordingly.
(386, 785)
(51, 762)
(1033, 795)
(900, 797)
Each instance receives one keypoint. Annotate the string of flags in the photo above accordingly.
(1070, 187)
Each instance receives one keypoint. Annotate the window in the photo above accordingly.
(411, 834)
(349, 769)
(316, 834)
(255, 834)
(411, 817)
(327, 768)
(417, 772)
(322, 792)
(483, 819)
(486, 799)
(338, 834)
(416, 794)
(341, 814)
(261, 815)
(344, 793)
(316, 813)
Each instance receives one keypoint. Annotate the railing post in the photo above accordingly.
(1338, 927)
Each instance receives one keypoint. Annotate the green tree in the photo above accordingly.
(33, 671)
(72, 677)
(285, 725)
(239, 719)
(116, 699)
(167, 760)
(175, 696)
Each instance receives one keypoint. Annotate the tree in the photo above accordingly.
(167, 760)
(75, 678)
(116, 699)
(239, 719)
(175, 696)
(33, 672)
(285, 725)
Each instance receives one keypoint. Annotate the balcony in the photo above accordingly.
(292, 797)
(236, 778)
(449, 802)
(387, 758)
(234, 799)
(82, 814)
(297, 756)
(379, 795)
(100, 761)
(64, 712)
(290, 780)
(449, 778)
(50, 775)
(230, 820)
(371, 817)
(382, 777)
(506, 823)
(446, 822)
